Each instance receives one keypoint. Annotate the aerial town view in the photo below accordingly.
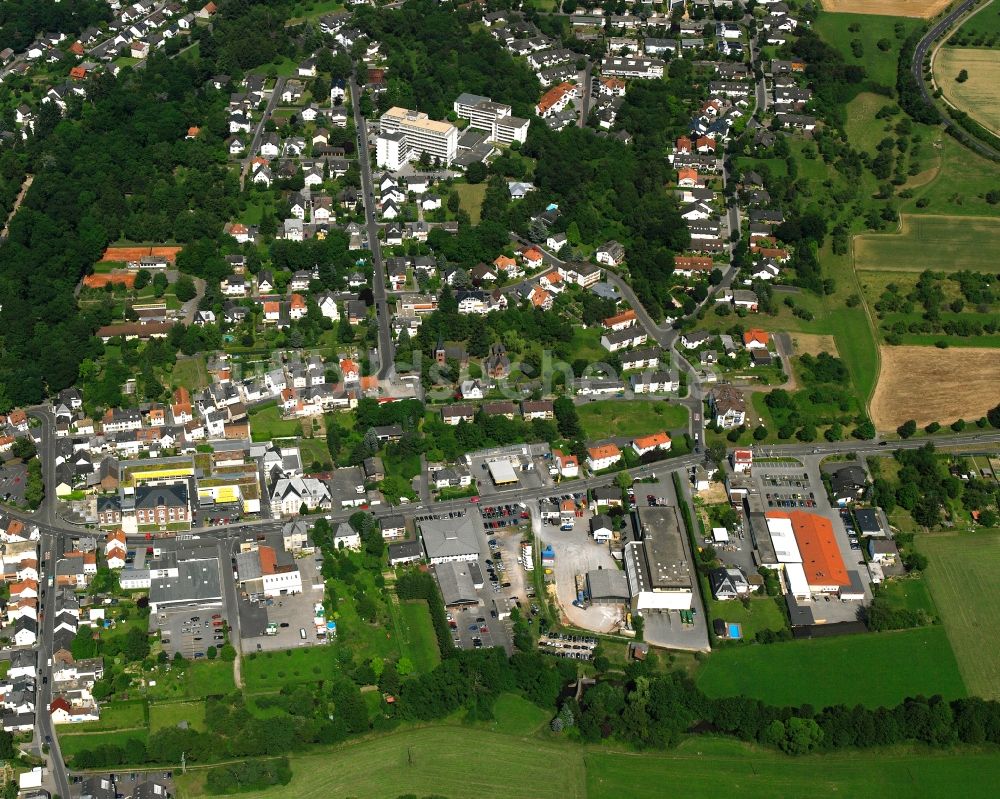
(422, 399)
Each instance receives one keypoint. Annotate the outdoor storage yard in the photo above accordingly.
(928, 384)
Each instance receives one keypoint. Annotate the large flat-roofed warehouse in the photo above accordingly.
(660, 576)
(450, 539)
(607, 587)
(816, 548)
(191, 583)
(502, 473)
(457, 583)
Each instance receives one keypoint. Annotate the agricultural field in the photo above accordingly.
(746, 771)
(979, 96)
(921, 9)
(861, 33)
(436, 760)
(630, 418)
(928, 384)
(813, 344)
(964, 578)
(956, 182)
(942, 243)
(828, 671)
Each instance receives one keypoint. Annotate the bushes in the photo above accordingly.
(251, 775)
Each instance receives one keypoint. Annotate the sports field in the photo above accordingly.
(468, 763)
(120, 254)
(964, 578)
(923, 9)
(928, 384)
(945, 243)
(630, 418)
(979, 96)
(852, 669)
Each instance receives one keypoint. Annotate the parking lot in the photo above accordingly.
(125, 781)
(564, 645)
(13, 479)
(191, 630)
(290, 613)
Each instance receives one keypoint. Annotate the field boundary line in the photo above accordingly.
(871, 322)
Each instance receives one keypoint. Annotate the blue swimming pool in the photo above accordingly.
(735, 631)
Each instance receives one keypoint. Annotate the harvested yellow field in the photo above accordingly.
(928, 384)
(922, 9)
(813, 343)
(979, 96)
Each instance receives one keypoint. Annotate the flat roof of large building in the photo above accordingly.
(197, 581)
(667, 564)
(821, 558)
(418, 119)
(450, 537)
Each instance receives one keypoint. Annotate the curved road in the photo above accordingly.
(916, 69)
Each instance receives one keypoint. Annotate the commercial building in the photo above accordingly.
(405, 135)
(191, 583)
(162, 505)
(495, 118)
(457, 584)
(806, 546)
(450, 539)
(659, 572)
(607, 587)
(502, 473)
(267, 571)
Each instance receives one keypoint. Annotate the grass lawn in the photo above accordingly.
(911, 593)
(586, 344)
(864, 669)
(198, 679)
(880, 65)
(630, 418)
(515, 715)
(266, 672)
(960, 181)
(190, 373)
(314, 449)
(117, 716)
(763, 614)
(417, 639)
(313, 10)
(286, 68)
(71, 744)
(471, 196)
(266, 423)
(170, 714)
(965, 584)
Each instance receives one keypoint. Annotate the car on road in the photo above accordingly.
(473, 499)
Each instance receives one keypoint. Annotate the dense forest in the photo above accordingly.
(433, 58)
(22, 20)
(118, 166)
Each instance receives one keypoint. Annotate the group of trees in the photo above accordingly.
(22, 20)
